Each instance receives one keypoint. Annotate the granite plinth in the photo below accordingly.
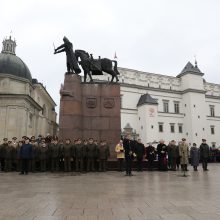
(90, 110)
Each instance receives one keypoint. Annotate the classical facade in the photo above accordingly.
(26, 108)
(155, 106)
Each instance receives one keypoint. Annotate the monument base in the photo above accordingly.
(90, 110)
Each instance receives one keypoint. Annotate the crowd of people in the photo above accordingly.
(50, 154)
(170, 157)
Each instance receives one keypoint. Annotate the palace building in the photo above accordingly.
(26, 108)
(155, 106)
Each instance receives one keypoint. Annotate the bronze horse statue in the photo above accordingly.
(96, 66)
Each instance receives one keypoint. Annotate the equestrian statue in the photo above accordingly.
(89, 65)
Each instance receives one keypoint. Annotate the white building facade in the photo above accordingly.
(165, 107)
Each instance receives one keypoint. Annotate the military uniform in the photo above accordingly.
(18, 167)
(103, 155)
(79, 155)
(184, 154)
(34, 156)
(204, 155)
(8, 158)
(43, 153)
(2, 153)
(91, 154)
(67, 155)
(14, 154)
(55, 156)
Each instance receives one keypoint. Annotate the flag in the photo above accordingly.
(115, 56)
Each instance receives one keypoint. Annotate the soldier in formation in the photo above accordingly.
(51, 154)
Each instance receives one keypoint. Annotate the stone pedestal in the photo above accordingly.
(90, 110)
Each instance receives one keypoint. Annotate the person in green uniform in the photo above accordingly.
(14, 145)
(91, 154)
(85, 157)
(43, 153)
(18, 167)
(8, 157)
(204, 154)
(79, 155)
(2, 153)
(55, 155)
(67, 155)
(103, 155)
(34, 156)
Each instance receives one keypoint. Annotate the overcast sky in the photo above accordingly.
(158, 36)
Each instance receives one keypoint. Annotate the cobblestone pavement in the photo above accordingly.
(148, 195)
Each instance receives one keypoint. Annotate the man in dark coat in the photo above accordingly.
(173, 153)
(25, 155)
(204, 154)
(129, 147)
(194, 156)
(140, 152)
(162, 156)
(151, 156)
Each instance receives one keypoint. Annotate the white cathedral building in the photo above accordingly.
(26, 108)
(158, 107)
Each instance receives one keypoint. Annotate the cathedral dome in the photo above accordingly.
(10, 63)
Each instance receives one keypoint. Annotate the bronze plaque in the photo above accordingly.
(109, 102)
(91, 102)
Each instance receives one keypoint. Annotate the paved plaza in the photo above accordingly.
(111, 195)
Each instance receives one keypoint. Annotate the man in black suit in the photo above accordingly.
(129, 148)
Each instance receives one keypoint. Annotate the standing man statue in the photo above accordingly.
(71, 61)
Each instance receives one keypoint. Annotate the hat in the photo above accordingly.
(32, 137)
(23, 137)
(14, 138)
(5, 139)
(183, 139)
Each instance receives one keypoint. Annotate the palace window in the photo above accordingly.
(177, 107)
(212, 129)
(160, 127)
(172, 127)
(212, 110)
(166, 106)
(180, 126)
